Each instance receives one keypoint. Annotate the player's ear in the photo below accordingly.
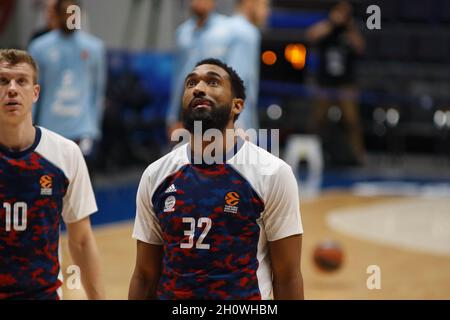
(37, 91)
(237, 106)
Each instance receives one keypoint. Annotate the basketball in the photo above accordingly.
(328, 256)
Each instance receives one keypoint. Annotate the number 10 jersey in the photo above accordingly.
(39, 188)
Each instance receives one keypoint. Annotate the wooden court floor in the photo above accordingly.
(405, 273)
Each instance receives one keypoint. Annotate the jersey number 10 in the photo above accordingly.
(17, 214)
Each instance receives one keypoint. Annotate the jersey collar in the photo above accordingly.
(229, 155)
(20, 154)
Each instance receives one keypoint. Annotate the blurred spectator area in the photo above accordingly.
(403, 77)
(136, 102)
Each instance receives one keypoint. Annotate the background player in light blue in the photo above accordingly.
(235, 40)
(73, 76)
(244, 54)
(204, 35)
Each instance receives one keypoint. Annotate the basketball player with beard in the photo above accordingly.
(227, 230)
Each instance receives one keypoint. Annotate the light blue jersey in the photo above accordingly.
(72, 78)
(235, 41)
(195, 44)
(243, 56)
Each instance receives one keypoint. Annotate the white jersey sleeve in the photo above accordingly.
(79, 201)
(274, 181)
(282, 209)
(146, 226)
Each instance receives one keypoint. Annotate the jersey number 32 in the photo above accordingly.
(191, 233)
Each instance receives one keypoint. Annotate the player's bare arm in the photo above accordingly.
(356, 39)
(318, 31)
(147, 271)
(285, 256)
(84, 252)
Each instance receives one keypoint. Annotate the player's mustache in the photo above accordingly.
(197, 101)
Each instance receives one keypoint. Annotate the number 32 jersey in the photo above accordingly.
(214, 221)
(39, 188)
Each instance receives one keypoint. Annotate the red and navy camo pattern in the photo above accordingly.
(227, 270)
(29, 264)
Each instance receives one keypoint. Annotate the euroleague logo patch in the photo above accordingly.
(232, 200)
(46, 183)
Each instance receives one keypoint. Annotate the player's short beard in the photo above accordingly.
(217, 117)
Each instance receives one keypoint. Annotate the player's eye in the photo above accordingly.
(22, 81)
(213, 82)
(3, 81)
(191, 83)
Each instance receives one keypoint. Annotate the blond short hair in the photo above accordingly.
(15, 56)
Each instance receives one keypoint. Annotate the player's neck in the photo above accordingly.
(201, 21)
(226, 142)
(243, 11)
(66, 33)
(17, 138)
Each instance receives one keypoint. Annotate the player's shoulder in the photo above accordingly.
(167, 164)
(261, 169)
(218, 24)
(57, 143)
(91, 40)
(44, 41)
(219, 18)
(187, 26)
(60, 152)
(242, 27)
(266, 155)
(254, 158)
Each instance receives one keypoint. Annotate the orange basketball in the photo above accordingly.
(328, 256)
